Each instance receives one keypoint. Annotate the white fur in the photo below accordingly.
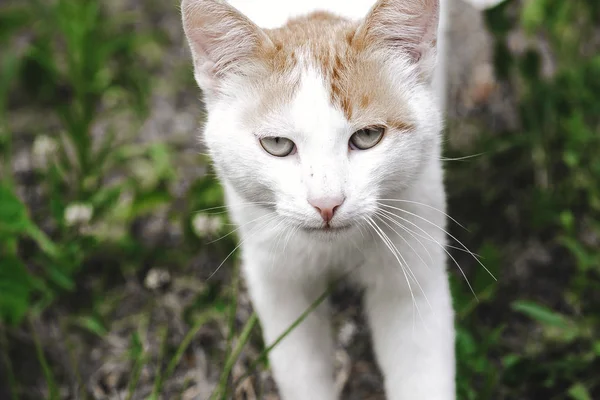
(287, 260)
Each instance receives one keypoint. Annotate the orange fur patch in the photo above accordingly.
(352, 75)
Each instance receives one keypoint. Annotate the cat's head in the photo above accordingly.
(324, 117)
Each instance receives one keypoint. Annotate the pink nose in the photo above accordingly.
(326, 206)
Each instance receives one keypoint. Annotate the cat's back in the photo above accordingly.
(272, 14)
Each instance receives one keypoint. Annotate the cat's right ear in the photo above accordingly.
(222, 42)
(406, 28)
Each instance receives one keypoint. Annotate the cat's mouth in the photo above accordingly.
(328, 228)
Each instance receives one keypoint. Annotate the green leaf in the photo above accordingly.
(92, 324)
(15, 289)
(541, 314)
(579, 392)
(597, 348)
(15, 221)
(61, 279)
(205, 193)
(567, 220)
(105, 200)
(483, 282)
(532, 15)
(13, 214)
(8, 70)
(145, 203)
(585, 259)
(136, 348)
(466, 345)
(46, 245)
(11, 20)
(510, 360)
(161, 159)
(58, 197)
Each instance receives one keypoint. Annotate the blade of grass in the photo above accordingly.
(221, 390)
(158, 380)
(74, 364)
(184, 386)
(138, 353)
(161, 378)
(263, 355)
(202, 320)
(48, 375)
(8, 69)
(233, 307)
(10, 373)
(136, 373)
(140, 361)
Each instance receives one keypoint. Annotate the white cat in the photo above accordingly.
(325, 133)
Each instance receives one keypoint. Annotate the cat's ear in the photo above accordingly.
(222, 40)
(406, 28)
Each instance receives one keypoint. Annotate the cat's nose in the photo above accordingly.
(326, 206)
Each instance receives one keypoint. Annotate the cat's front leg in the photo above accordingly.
(301, 363)
(414, 347)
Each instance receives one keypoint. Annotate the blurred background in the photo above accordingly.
(110, 218)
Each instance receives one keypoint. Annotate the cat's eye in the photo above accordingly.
(277, 146)
(366, 138)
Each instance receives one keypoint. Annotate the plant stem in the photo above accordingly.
(202, 320)
(221, 390)
(52, 388)
(263, 355)
(12, 381)
(159, 379)
(233, 307)
(137, 369)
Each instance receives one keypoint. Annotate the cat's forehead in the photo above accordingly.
(323, 48)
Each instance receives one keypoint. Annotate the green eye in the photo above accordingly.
(277, 146)
(366, 138)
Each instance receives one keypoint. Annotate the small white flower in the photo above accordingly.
(215, 225)
(44, 149)
(157, 278)
(78, 213)
(204, 225)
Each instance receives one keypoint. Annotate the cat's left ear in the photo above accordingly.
(403, 28)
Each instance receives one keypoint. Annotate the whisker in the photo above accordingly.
(236, 247)
(461, 158)
(359, 226)
(276, 242)
(410, 231)
(447, 233)
(443, 248)
(241, 226)
(292, 232)
(374, 226)
(404, 260)
(406, 241)
(428, 206)
(248, 204)
(412, 275)
(212, 213)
